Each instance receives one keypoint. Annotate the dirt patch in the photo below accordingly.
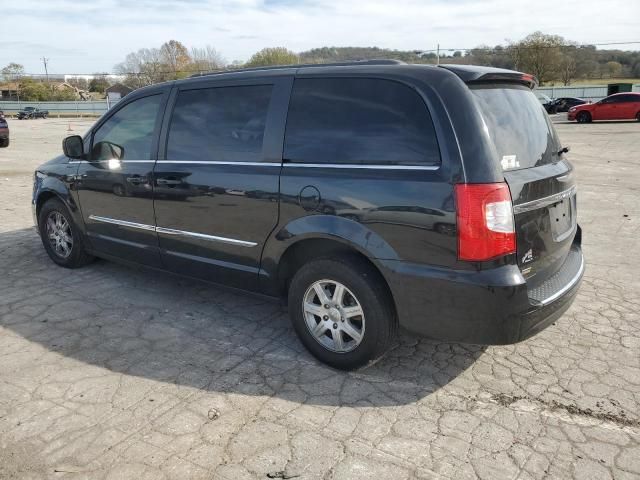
(619, 418)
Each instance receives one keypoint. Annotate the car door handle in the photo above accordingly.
(168, 182)
(136, 180)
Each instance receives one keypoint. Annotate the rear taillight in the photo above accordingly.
(485, 221)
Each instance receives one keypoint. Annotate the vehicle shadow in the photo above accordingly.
(165, 328)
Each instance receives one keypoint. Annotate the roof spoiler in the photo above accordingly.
(472, 74)
(523, 78)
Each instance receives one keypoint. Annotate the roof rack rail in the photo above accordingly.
(382, 61)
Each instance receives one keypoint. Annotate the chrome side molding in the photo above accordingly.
(172, 231)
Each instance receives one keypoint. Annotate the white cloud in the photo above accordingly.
(83, 37)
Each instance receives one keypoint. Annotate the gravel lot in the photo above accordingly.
(109, 372)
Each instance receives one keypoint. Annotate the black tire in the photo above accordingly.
(4, 143)
(583, 117)
(638, 116)
(369, 291)
(44, 116)
(77, 256)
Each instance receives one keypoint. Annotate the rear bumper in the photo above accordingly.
(492, 307)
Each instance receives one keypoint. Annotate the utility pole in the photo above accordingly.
(46, 72)
(438, 55)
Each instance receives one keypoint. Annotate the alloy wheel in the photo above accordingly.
(334, 316)
(59, 234)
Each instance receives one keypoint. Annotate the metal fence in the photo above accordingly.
(593, 92)
(79, 108)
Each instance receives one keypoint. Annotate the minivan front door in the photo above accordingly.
(216, 182)
(115, 185)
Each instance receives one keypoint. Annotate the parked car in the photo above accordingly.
(546, 102)
(563, 104)
(32, 112)
(619, 106)
(4, 131)
(367, 195)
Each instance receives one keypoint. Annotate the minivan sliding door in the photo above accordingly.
(217, 178)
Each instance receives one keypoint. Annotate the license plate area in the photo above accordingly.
(562, 218)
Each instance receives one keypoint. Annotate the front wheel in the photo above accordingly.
(583, 117)
(61, 238)
(342, 311)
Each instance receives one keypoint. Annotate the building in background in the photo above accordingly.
(116, 91)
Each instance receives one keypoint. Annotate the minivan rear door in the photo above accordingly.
(540, 179)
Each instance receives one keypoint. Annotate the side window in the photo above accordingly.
(128, 133)
(614, 100)
(630, 98)
(359, 121)
(220, 124)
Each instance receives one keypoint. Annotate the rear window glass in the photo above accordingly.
(518, 125)
(359, 121)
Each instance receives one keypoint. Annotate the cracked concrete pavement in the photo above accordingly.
(110, 372)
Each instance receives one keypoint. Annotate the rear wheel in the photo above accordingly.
(4, 142)
(61, 238)
(342, 311)
(638, 116)
(584, 117)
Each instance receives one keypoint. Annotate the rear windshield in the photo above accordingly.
(518, 125)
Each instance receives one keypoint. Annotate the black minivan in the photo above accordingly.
(372, 195)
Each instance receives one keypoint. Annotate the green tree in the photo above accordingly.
(568, 66)
(12, 72)
(32, 91)
(206, 59)
(614, 69)
(144, 67)
(272, 56)
(99, 83)
(62, 94)
(539, 54)
(176, 59)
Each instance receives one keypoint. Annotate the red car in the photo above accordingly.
(619, 106)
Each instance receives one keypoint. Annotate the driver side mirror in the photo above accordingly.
(73, 146)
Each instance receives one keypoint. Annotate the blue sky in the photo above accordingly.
(85, 37)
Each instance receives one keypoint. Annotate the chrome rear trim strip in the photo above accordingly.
(567, 287)
(544, 202)
(172, 231)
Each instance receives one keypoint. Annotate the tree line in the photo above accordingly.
(551, 58)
